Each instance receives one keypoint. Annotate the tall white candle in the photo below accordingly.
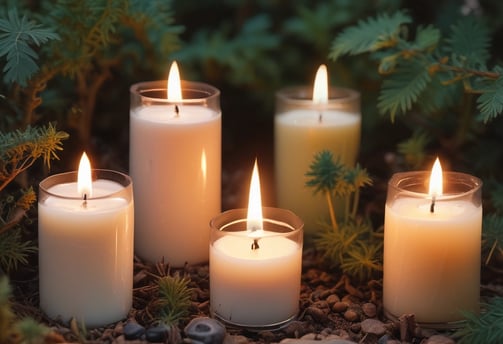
(432, 251)
(86, 248)
(175, 163)
(255, 264)
(304, 127)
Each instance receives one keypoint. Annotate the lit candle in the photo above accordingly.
(255, 264)
(85, 231)
(432, 245)
(307, 122)
(175, 163)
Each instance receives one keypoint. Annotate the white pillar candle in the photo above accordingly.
(255, 267)
(86, 248)
(304, 127)
(432, 250)
(175, 163)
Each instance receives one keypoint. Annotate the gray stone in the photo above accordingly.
(373, 326)
(132, 330)
(157, 333)
(205, 330)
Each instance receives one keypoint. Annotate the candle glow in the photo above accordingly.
(254, 219)
(174, 84)
(436, 185)
(320, 89)
(84, 180)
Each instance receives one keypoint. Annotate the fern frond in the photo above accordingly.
(402, 89)
(490, 102)
(363, 260)
(369, 35)
(470, 40)
(427, 38)
(17, 35)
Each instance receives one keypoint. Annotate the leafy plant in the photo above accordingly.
(18, 151)
(485, 327)
(25, 331)
(351, 243)
(174, 298)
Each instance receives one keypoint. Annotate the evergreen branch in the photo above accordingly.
(490, 102)
(469, 39)
(16, 37)
(380, 32)
(174, 298)
(14, 250)
(485, 327)
(20, 149)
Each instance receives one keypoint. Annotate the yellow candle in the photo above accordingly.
(432, 247)
(304, 127)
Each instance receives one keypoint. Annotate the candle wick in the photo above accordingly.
(432, 206)
(84, 204)
(320, 117)
(255, 245)
(177, 111)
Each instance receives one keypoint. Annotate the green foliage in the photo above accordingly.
(352, 244)
(17, 36)
(20, 149)
(485, 327)
(12, 331)
(174, 298)
(409, 63)
(413, 149)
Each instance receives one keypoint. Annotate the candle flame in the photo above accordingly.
(84, 180)
(320, 90)
(436, 186)
(174, 83)
(254, 220)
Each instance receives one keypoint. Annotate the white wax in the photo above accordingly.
(299, 135)
(175, 163)
(255, 287)
(432, 260)
(86, 254)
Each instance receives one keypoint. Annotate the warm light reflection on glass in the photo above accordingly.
(320, 90)
(204, 166)
(436, 184)
(174, 83)
(254, 219)
(84, 180)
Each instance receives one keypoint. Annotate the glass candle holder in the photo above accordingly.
(302, 129)
(432, 248)
(175, 162)
(255, 281)
(86, 248)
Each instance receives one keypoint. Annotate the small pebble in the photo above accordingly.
(340, 307)
(373, 326)
(369, 309)
(332, 299)
(351, 315)
(132, 330)
(205, 330)
(157, 334)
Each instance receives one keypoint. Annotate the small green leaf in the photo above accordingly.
(490, 102)
(401, 89)
(470, 39)
(370, 35)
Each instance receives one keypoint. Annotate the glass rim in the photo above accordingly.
(199, 91)
(70, 177)
(237, 216)
(303, 94)
(399, 183)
